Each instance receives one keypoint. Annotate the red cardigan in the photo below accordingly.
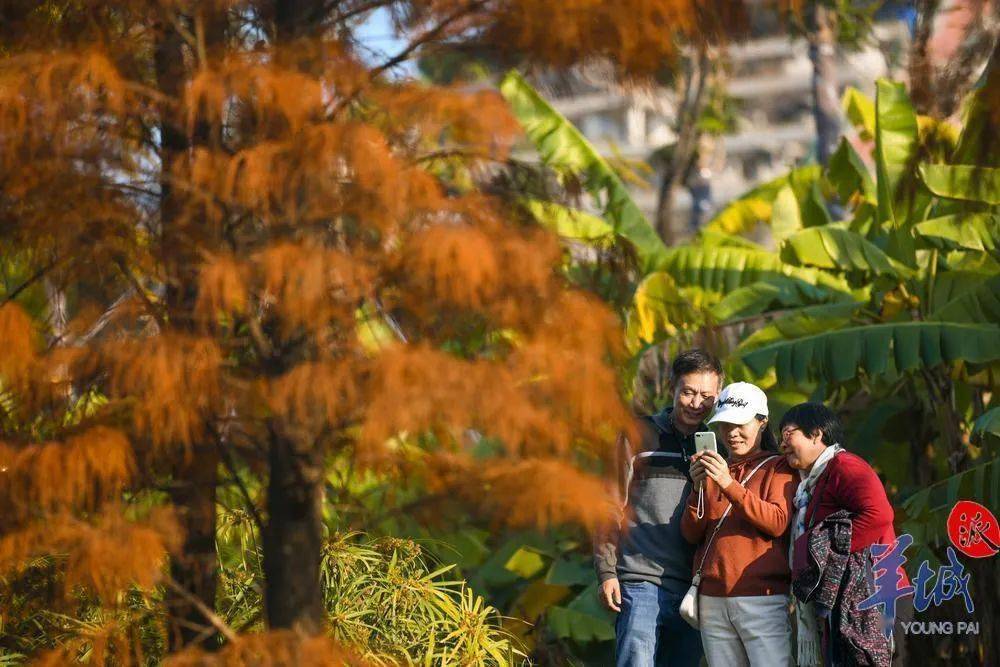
(851, 484)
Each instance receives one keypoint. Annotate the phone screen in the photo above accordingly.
(705, 441)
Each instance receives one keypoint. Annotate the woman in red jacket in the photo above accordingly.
(833, 479)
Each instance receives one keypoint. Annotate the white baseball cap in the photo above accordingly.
(739, 403)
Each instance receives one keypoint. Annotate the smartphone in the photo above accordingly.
(704, 441)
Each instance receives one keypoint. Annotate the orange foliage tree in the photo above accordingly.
(230, 196)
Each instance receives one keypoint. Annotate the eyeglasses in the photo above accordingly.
(786, 433)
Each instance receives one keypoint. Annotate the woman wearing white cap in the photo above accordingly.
(738, 515)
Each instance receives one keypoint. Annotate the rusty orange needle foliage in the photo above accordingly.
(232, 194)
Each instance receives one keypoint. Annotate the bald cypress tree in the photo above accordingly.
(234, 197)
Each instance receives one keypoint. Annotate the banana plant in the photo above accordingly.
(916, 356)
(913, 262)
(870, 259)
(564, 149)
(661, 300)
(897, 297)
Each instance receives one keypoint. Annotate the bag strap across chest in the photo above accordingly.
(725, 514)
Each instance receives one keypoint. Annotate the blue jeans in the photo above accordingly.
(650, 631)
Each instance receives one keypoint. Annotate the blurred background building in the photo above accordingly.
(731, 117)
(760, 120)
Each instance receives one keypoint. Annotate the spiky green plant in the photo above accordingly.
(384, 597)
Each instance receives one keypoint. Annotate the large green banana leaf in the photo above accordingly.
(725, 269)
(741, 215)
(569, 571)
(563, 148)
(980, 304)
(711, 238)
(974, 231)
(849, 175)
(800, 323)
(860, 112)
(895, 141)
(813, 206)
(962, 181)
(570, 223)
(873, 433)
(895, 145)
(959, 275)
(833, 247)
(583, 619)
(786, 215)
(837, 355)
(660, 308)
(779, 292)
(988, 422)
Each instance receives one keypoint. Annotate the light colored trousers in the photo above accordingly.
(751, 631)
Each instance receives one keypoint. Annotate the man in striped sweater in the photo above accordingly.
(643, 562)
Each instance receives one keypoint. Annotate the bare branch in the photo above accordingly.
(456, 152)
(428, 36)
(425, 37)
(34, 278)
(227, 459)
(209, 615)
(99, 324)
(357, 11)
(154, 311)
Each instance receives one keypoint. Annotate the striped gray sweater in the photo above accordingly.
(642, 540)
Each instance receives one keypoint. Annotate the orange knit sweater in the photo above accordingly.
(749, 556)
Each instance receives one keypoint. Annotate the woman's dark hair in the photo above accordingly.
(813, 417)
(694, 361)
(768, 442)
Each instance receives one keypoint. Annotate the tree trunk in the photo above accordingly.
(294, 19)
(826, 101)
(58, 316)
(293, 537)
(943, 88)
(195, 568)
(920, 66)
(195, 477)
(686, 129)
